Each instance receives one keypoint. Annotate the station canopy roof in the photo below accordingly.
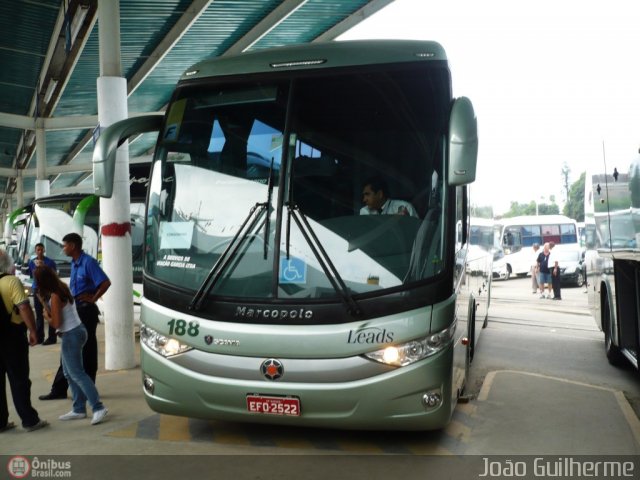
(49, 63)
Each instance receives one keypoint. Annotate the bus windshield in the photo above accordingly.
(258, 187)
(482, 235)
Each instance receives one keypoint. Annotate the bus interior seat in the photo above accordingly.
(318, 188)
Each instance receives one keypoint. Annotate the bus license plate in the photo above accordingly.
(273, 405)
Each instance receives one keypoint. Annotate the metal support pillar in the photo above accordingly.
(42, 182)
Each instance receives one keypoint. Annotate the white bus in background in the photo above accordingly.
(485, 234)
(518, 234)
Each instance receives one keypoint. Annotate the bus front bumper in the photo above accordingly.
(394, 400)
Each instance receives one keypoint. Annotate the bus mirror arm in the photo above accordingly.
(104, 153)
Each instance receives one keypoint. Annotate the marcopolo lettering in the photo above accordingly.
(370, 335)
(273, 313)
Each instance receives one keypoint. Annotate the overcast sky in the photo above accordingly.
(551, 82)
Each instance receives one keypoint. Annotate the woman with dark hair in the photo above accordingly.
(61, 313)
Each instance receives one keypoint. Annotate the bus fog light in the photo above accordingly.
(432, 399)
(148, 384)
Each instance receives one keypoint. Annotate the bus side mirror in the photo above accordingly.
(104, 153)
(463, 143)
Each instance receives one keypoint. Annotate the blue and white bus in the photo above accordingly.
(518, 234)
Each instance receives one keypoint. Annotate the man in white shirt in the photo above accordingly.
(374, 196)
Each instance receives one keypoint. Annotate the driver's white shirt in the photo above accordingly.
(391, 207)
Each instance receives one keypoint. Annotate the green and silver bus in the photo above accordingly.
(268, 297)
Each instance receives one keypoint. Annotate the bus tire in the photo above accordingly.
(613, 352)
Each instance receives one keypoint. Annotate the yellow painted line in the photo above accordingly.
(486, 386)
(430, 448)
(128, 432)
(467, 408)
(231, 439)
(174, 428)
(458, 431)
(355, 446)
(113, 372)
(291, 442)
(49, 375)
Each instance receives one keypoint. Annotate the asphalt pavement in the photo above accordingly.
(513, 412)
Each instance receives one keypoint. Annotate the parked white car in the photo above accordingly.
(501, 269)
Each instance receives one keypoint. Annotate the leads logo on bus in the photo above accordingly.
(272, 369)
(370, 335)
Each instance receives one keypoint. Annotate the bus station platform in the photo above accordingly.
(515, 413)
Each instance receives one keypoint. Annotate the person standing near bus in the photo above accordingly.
(37, 261)
(88, 283)
(554, 268)
(545, 274)
(17, 332)
(63, 316)
(534, 268)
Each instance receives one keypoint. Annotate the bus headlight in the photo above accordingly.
(161, 344)
(414, 350)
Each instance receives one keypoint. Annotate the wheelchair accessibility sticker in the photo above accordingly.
(292, 270)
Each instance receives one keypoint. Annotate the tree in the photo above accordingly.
(481, 212)
(548, 209)
(574, 208)
(517, 209)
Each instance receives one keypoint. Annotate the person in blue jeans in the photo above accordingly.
(88, 283)
(41, 259)
(61, 313)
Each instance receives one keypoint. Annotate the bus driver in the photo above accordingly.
(374, 196)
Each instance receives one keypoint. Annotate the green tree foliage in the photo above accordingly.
(517, 209)
(548, 209)
(574, 208)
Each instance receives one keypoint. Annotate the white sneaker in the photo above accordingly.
(98, 416)
(542, 296)
(72, 416)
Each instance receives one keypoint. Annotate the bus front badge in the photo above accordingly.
(272, 369)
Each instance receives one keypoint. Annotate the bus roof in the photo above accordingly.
(482, 222)
(318, 55)
(535, 220)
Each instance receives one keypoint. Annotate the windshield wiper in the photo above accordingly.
(241, 235)
(323, 259)
(228, 254)
(267, 222)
